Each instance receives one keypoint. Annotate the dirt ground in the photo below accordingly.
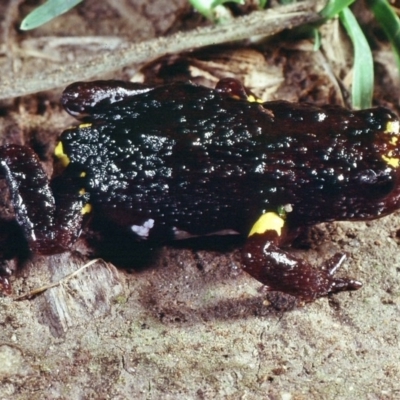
(184, 321)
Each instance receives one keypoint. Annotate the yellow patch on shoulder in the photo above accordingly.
(269, 221)
(393, 127)
(253, 99)
(59, 153)
(85, 125)
(86, 209)
(392, 161)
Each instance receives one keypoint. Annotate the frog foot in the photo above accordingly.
(51, 220)
(263, 259)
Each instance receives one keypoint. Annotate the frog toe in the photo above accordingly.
(337, 285)
(343, 285)
(269, 264)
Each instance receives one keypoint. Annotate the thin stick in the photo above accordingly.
(260, 23)
(62, 281)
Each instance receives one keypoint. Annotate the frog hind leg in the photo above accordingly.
(50, 223)
(263, 259)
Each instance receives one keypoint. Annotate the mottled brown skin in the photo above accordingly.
(181, 159)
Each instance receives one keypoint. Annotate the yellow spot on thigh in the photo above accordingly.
(85, 125)
(269, 221)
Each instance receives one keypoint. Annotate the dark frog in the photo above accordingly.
(181, 160)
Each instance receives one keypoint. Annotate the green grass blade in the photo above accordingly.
(317, 39)
(389, 22)
(363, 68)
(209, 8)
(334, 7)
(46, 12)
(216, 3)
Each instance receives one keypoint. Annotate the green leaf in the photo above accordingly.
(389, 22)
(216, 3)
(334, 7)
(46, 12)
(363, 68)
(209, 8)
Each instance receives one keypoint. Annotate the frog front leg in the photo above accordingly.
(263, 259)
(83, 99)
(49, 215)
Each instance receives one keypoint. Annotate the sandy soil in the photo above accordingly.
(189, 323)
